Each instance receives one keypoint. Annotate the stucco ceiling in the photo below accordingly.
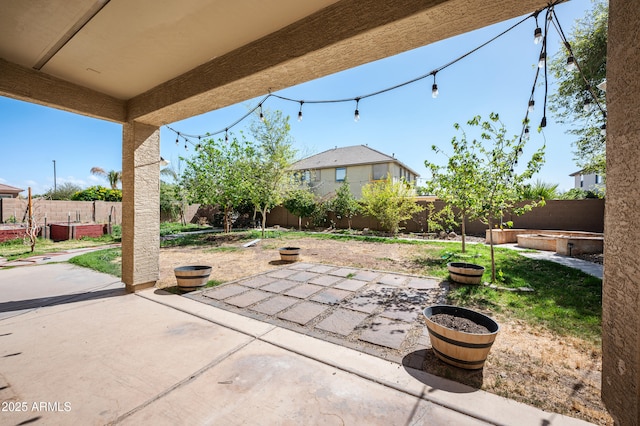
(158, 61)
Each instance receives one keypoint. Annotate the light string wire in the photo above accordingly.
(188, 137)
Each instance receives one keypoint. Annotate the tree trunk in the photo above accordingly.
(227, 220)
(493, 259)
(462, 217)
(299, 223)
(264, 220)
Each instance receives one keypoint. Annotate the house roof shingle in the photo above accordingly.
(347, 156)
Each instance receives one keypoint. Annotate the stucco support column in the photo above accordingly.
(140, 205)
(621, 289)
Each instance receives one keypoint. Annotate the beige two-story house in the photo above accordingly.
(359, 165)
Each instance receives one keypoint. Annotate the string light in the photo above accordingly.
(571, 64)
(226, 135)
(543, 123)
(300, 112)
(434, 88)
(177, 137)
(588, 105)
(356, 114)
(603, 129)
(531, 106)
(543, 60)
(526, 136)
(537, 33)
(261, 114)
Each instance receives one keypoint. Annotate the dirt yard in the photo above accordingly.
(527, 364)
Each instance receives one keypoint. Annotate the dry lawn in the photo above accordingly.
(528, 364)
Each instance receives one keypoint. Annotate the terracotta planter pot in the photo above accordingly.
(458, 348)
(465, 273)
(191, 278)
(289, 254)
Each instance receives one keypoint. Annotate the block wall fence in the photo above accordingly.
(57, 211)
(570, 215)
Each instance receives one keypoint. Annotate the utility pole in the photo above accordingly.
(54, 176)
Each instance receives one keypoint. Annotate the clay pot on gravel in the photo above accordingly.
(465, 273)
(289, 254)
(465, 349)
(193, 277)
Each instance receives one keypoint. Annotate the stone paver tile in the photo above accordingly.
(403, 313)
(321, 269)
(248, 298)
(424, 283)
(280, 286)
(303, 291)
(303, 312)
(424, 339)
(331, 296)
(386, 332)
(275, 304)
(351, 285)
(392, 279)
(364, 303)
(255, 282)
(225, 291)
(301, 266)
(325, 280)
(365, 275)
(342, 321)
(344, 272)
(303, 276)
(282, 273)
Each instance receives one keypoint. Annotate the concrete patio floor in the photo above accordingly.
(75, 349)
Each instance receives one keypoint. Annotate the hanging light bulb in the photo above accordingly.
(177, 141)
(300, 112)
(603, 129)
(543, 60)
(186, 148)
(520, 151)
(226, 135)
(531, 106)
(526, 136)
(198, 147)
(434, 91)
(588, 105)
(356, 114)
(537, 35)
(571, 64)
(261, 114)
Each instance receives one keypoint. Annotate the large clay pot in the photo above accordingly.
(465, 273)
(191, 278)
(289, 254)
(458, 348)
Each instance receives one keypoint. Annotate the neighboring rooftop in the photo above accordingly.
(7, 189)
(347, 156)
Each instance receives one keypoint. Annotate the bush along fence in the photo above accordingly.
(570, 215)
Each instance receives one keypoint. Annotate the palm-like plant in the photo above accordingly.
(113, 176)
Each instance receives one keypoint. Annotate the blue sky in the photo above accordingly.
(404, 122)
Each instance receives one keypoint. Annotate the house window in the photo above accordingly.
(341, 174)
(597, 179)
(380, 171)
(581, 181)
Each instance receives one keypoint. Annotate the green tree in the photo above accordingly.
(390, 202)
(588, 41)
(455, 183)
(98, 193)
(300, 202)
(173, 196)
(218, 175)
(63, 192)
(498, 187)
(345, 205)
(269, 159)
(112, 176)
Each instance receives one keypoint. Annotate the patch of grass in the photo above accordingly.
(108, 261)
(168, 228)
(16, 249)
(565, 300)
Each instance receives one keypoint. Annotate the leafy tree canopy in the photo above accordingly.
(588, 41)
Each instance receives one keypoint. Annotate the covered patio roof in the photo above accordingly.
(160, 62)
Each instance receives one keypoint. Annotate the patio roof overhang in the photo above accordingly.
(156, 63)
